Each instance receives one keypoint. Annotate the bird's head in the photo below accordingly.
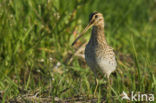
(95, 19)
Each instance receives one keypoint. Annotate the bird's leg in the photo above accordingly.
(108, 89)
(97, 83)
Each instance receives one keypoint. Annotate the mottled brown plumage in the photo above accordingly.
(98, 54)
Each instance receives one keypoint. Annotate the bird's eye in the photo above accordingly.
(96, 16)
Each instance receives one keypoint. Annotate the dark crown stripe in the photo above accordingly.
(91, 15)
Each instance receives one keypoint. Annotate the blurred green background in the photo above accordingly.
(38, 63)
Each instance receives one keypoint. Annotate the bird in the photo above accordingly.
(99, 56)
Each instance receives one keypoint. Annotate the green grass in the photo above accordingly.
(35, 49)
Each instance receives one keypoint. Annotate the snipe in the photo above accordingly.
(98, 54)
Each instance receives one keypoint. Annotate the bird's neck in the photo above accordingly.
(97, 36)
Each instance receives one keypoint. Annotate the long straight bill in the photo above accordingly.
(82, 33)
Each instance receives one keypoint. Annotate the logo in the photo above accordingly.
(137, 96)
(124, 96)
